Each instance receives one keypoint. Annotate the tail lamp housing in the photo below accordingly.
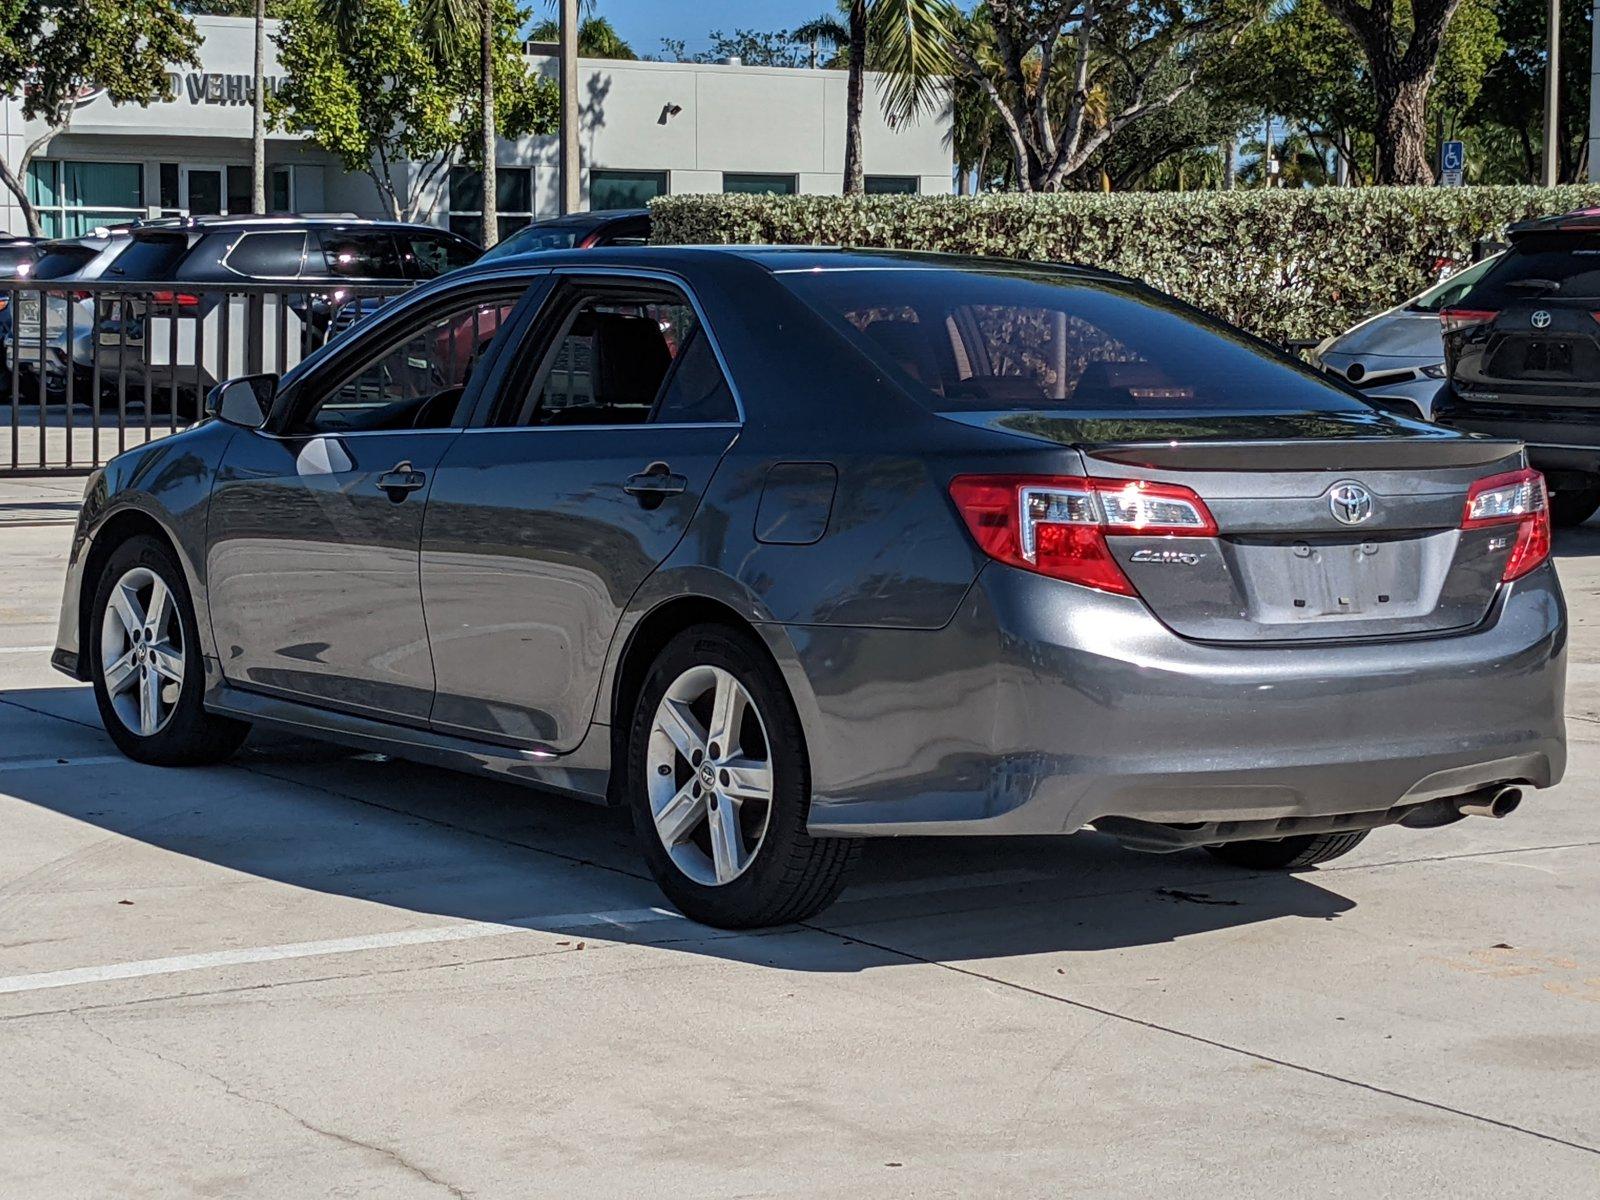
(1453, 320)
(1057, 525)
(1514, 499)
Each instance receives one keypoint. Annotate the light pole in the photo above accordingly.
(1594, 95)
(1552, 93)
(571, 191)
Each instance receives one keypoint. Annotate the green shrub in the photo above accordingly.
(1283, 264)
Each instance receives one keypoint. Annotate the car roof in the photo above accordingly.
(284, 221)
(782, 260)
(1582, 220)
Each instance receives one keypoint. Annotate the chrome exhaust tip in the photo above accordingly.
(1493, 802)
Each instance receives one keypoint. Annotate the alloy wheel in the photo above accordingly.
(709, 775)
(142, 651)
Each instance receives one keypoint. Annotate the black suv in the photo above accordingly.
(1522, 351)
(177, 336)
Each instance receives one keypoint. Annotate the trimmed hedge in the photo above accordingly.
(1283, 264)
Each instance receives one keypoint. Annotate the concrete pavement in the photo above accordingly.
(312, 973)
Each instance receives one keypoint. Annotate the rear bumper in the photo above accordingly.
(1046, 707)
(1560, 441)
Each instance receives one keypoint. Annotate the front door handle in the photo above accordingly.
(401, 481)
(654, 484)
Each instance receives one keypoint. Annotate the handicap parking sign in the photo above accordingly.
(1452, 156)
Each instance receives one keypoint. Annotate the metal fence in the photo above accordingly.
(92, 368)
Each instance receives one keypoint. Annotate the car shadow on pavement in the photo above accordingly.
(1583, 541)
(315, 816)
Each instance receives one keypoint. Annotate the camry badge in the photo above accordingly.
(1186, 558)
(1350, 503)
(1540, 319)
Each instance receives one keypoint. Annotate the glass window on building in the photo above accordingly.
(624, 189)
(280, 190)
(171, 198)
(513, 200)
(73, 198)
(759, 185)
(890, 185)
(241, 190)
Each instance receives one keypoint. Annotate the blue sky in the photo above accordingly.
(643, 23)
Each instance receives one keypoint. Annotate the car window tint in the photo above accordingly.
(1542, 264)
(608, 363)
(1018, 339)
(268, 255)
(541, 235)
(431, 255)
(59, 262)
(696, 389)
(418, 379)
(149, 258)
(369, 255)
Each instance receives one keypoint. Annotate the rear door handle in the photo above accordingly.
(654, 484)
(401, 481)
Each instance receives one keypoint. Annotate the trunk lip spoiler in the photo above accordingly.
(1316, 454)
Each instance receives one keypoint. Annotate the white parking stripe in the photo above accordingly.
(37, 764)
(374, 941)
(26, 649)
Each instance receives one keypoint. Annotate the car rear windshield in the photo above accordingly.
(1448, 292)
(59, 262)
(968, 340)
(14, 257)
(1565, 265)
(150, 258)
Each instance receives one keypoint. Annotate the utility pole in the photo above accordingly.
(1552, 94)
(571, 189)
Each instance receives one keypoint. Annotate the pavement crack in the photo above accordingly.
(1201, 1039)
(348, 1140)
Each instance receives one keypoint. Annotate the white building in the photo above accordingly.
(647, 128)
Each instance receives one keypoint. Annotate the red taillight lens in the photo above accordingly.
(181, 299)
(1057, 525)
(1515, 498)
(1452, 320)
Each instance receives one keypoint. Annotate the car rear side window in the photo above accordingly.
(617, 359)
(149, 258)
(62, 261)
(1566, 265)
(362, 255)
(979, 340)
(267, 255)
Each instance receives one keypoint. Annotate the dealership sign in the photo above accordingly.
(216, 87)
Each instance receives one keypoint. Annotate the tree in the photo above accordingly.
(52, 52)
(367, 86)
(826, 30)
(1504, 126)
(909, 42)
(1402, 46)
(753, 47)
(596, 38)
(1065, 77)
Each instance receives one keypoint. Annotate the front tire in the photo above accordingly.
(719, 786)
(145, 661)
(1290, 853)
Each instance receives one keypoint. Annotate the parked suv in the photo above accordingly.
(1522, 351)
(176, 335)
(61, 261)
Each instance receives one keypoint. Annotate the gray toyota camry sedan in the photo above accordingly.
(782, 548)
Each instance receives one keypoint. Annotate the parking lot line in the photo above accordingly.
(25, 649)
(462, 931)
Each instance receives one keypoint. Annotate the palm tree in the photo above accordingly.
(824, 29)
(597, 38)
(452, 25)
(908, 41)
(258, 129)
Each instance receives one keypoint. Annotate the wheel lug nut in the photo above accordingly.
(713, 803)
(697, 757)
(715, 751)
(724, 778)
(663, 769)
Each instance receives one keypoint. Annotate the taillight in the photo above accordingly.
(1515, 498)
(1057, 525)
(183, 300)
(1452, 320)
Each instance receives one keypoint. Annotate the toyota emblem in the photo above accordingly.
(1350, 503)
(1540, 319)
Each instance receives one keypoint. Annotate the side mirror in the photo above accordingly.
(244, 401)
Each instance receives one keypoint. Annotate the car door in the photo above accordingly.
(314, 529)
(546, 519)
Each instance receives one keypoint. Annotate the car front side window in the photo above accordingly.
(417, 378)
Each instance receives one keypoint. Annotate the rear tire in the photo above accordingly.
(1572, 508)
(1290, 853)
(143, 647)
(712, 699)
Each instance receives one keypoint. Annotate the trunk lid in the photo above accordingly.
(1330, 525)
